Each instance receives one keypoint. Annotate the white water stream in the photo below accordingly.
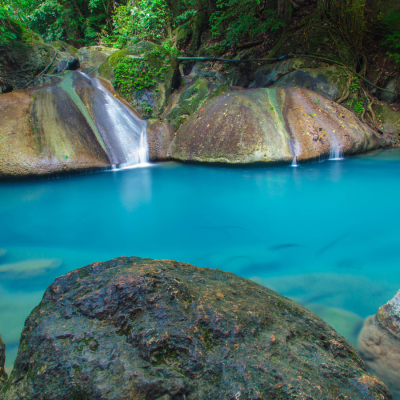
(124, 134)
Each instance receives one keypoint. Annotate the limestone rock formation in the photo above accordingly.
(271, 125)
(74, 124)
(158, 329)
(151, 99)
(379, 344)
(3, 375)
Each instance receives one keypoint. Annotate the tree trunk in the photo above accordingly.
(284, 10)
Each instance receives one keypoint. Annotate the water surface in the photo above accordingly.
(325, 234)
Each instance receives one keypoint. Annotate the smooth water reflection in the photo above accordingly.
(324, 234)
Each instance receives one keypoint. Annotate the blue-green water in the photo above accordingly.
(325, 234)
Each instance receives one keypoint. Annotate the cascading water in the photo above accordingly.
(294, 162)
(123, 133)
(336, 152)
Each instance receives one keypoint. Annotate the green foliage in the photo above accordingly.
(134, 74)
(355, 85)
(145, 19)
(359, 106)
(6, 30)
(392, 39)
(236, 19)
(188, 14)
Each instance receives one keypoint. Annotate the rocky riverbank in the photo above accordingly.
(159, 329)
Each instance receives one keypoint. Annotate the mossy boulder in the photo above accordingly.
(183, 34)
(205, 85)
(21, 62)
(145, 74)
(92, 57)
(388, 119)
(271, 125)
(268, 74)
(330, 82)
(134, 328)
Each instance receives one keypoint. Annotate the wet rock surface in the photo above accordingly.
(158, 329)
(379, 344)
(272, 125)
(160, 135)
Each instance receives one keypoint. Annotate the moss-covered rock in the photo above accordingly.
(330, 82)
(183, 34)
(145, 74)
(21, 62)
(387, 118)
(205, 85)
(271, 125)
(134, 328)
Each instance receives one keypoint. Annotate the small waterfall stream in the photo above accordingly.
(123, 133)
(336, 152)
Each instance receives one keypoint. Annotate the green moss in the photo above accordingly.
(82, 273)
(206, 336)
(92, 344)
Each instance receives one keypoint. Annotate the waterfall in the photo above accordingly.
(294, 162)
(336, 152)
(123, 133)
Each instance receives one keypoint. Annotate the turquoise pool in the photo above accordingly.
(325, 234)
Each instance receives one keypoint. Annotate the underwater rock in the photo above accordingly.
(30, 268)
(379, 344)
(3, 252)
(159, 329)
(160, 135)
(3, 374)
(160, 76)
(271, 125)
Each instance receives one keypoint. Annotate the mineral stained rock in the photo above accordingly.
(134, 328)
(3, 375)
(271, 125)
(379, 344)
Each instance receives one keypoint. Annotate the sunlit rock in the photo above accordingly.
(163, 329)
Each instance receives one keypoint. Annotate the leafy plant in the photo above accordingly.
(355, 85)
(235, 19)
(392, 39)
(359, 106)
(6, 30)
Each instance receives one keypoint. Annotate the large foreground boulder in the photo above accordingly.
(379, 344)
(272, 125)
(134, 328)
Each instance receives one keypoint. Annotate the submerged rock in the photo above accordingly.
(159, 329)
(271, 125)
(379, 344)
(3, 375)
